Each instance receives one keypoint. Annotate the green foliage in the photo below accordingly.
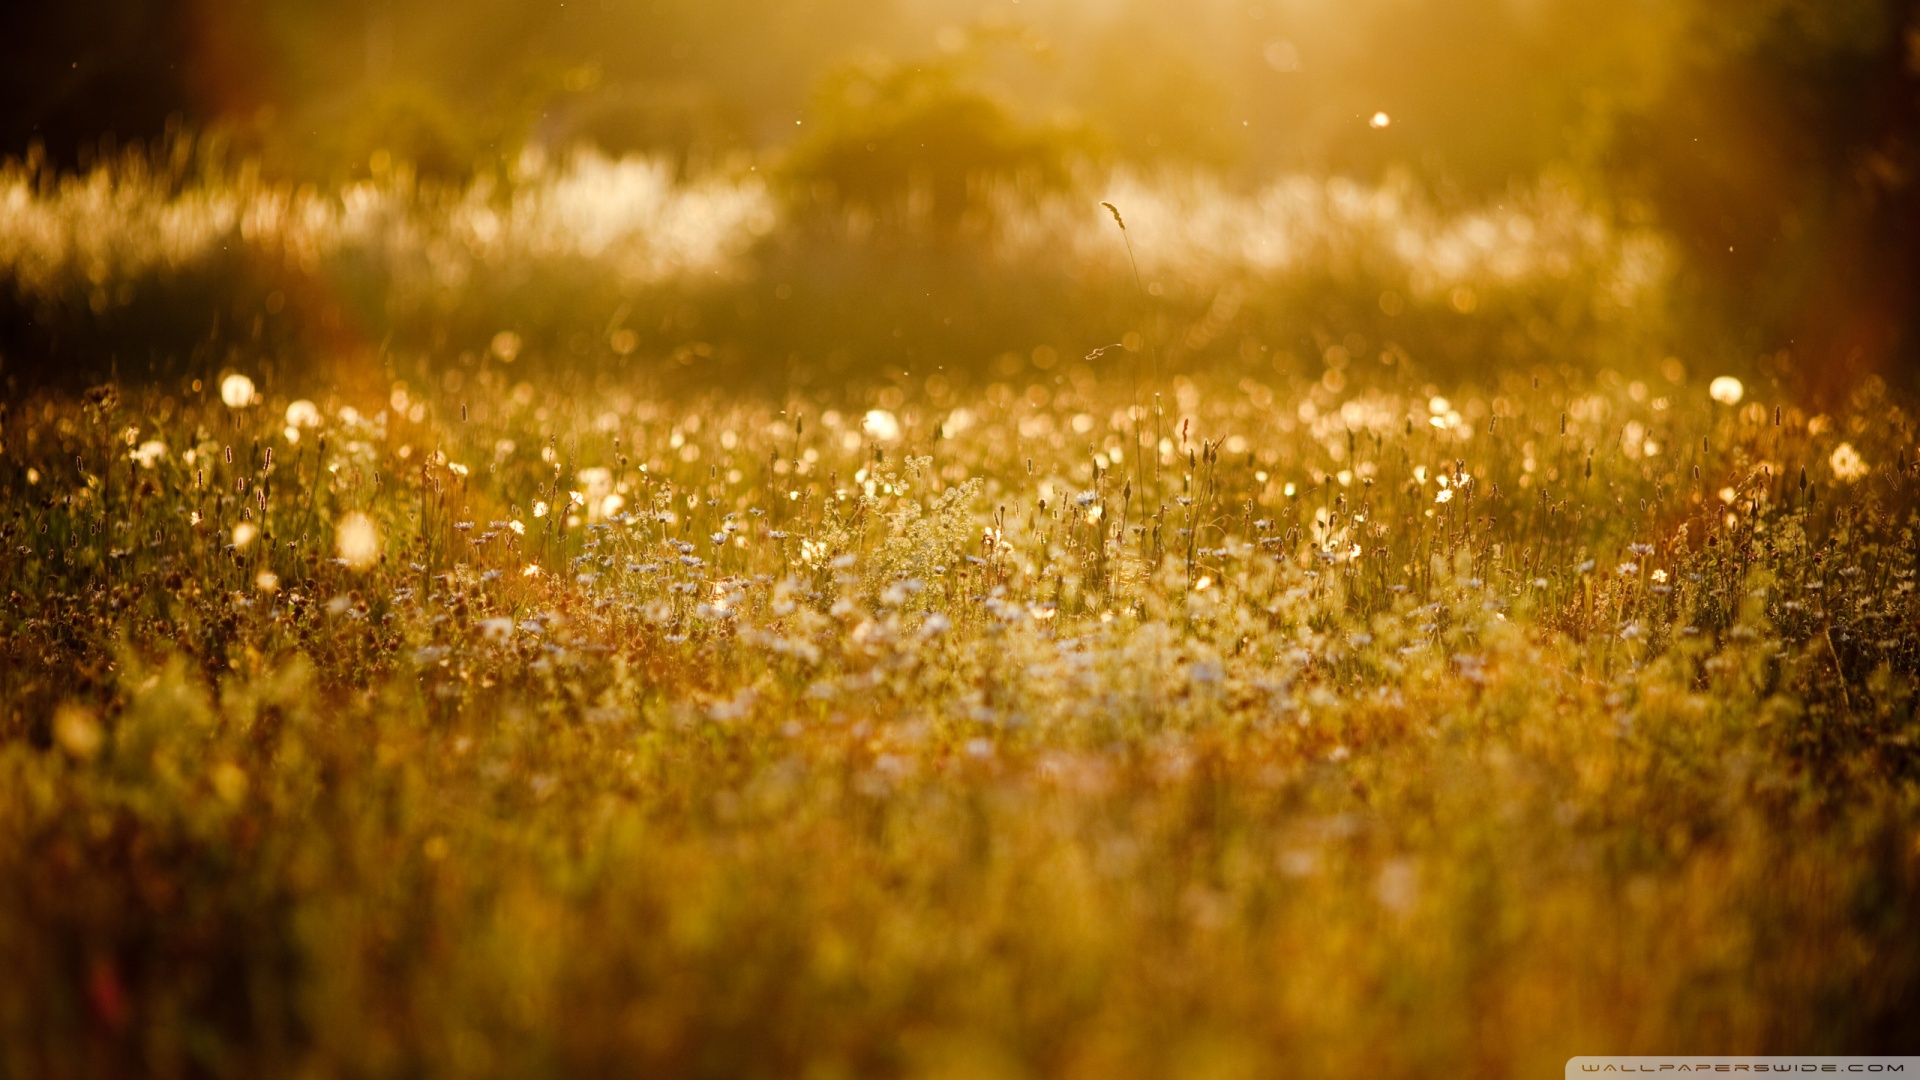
(692, 124)
(408, 126)
(920, 141)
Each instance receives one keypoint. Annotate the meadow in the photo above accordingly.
(1350, 648)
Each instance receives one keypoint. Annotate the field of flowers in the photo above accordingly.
(1251, 729)
(1310, 712)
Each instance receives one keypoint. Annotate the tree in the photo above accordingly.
(1784, 156)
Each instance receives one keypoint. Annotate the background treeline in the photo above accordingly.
(1775, 145)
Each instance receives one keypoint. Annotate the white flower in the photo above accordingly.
(882, 425)
(237, 391)
(1847, 464)
(1726, 390)
(303, 414)
(357, 540)
(596, 480)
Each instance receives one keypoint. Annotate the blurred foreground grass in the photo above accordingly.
(1258, 726)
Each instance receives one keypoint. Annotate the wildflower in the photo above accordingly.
(539, 508)
(1398, 886)
(303, 414)
(1726, 390)
(1445, 496)
(267, 581)
(229, 782)
(734, 708)
(149, 452)
(357, 540)
(519, 527)
(237, 391)
(77, 731)
(882, 425)
(1847, 464)
(596, 479)
(244, 533)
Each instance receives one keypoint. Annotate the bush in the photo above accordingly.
(920, 144)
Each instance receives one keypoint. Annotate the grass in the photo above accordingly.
(1255, 727)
